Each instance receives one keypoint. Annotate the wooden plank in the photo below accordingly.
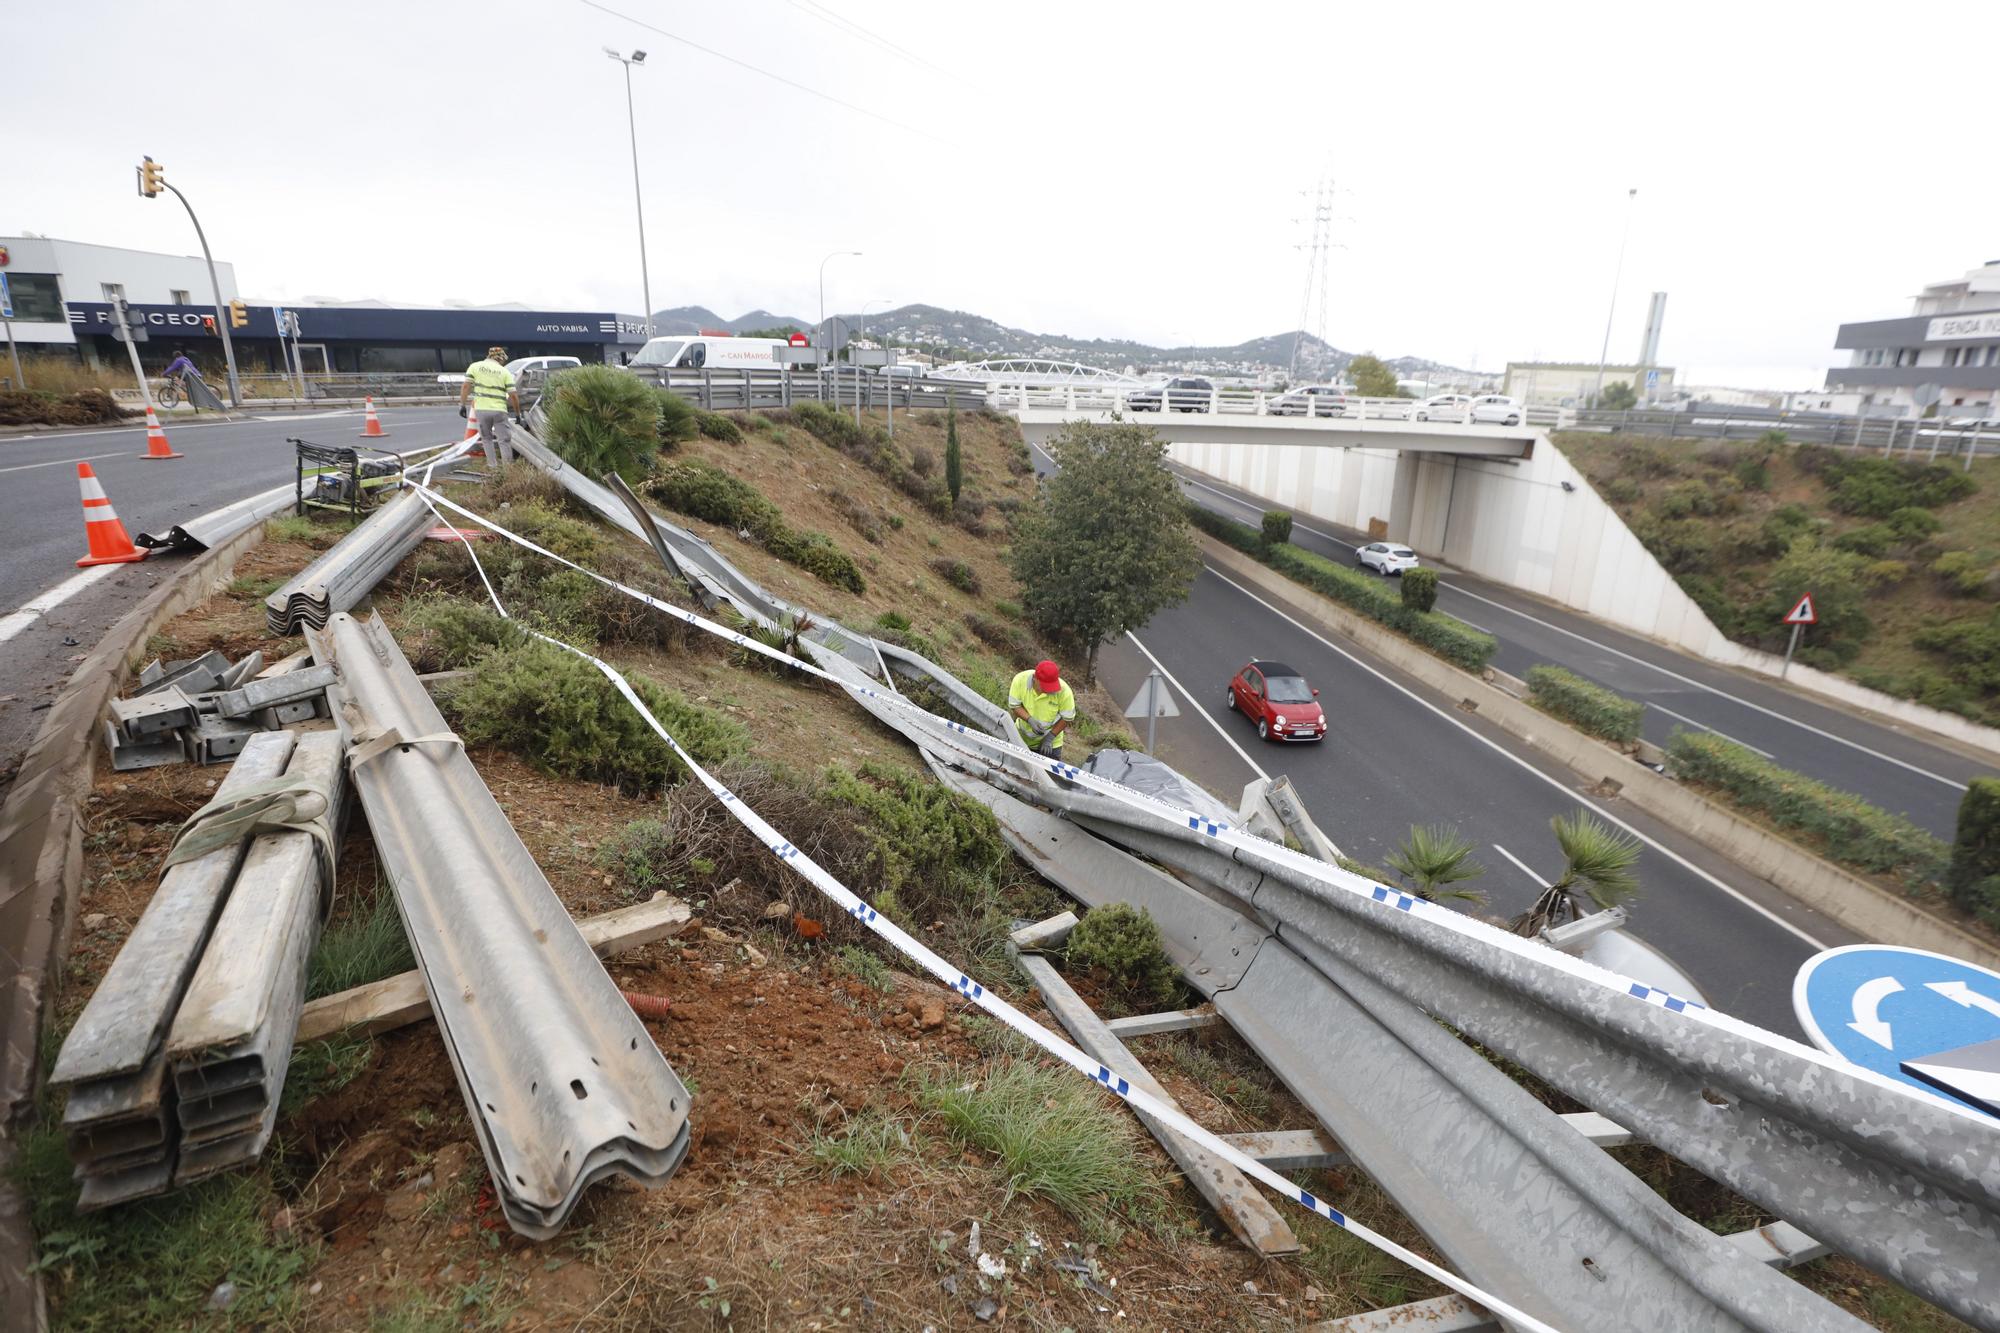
(1290, 1149)
(398, 1001)
(1145, 1025)
(1242, 1207)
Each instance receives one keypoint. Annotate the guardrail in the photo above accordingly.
(1241, 402)
(752, 389)
(1889, 436)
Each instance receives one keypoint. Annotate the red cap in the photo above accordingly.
(1047, 678)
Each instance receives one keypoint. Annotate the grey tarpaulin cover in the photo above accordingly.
(1144, 773)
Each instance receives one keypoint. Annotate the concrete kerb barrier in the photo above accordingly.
(41, 867)
(1846, 897)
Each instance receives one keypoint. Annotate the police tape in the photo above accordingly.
(917, 952)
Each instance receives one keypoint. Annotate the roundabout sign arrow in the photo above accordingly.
(1922, 1018)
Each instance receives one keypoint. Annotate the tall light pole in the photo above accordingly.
(880, 300)
(822, 295)
(638, 201)
(1604, 352)
(152, 179)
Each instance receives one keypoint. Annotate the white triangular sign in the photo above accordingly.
(1803, 613)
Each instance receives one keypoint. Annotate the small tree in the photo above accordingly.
(954, 465)
(1420, 588)
(1434, 857)
(1973, 880)
(1277, 527)
(1106, 542)
(1371, 378)
(1124, 942)
(1597, 862)
(1618, 396)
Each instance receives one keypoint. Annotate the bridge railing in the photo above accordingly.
(1230, 402)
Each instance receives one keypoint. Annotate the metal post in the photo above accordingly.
(14, 356)
(215, 287)
(1604, 353)
(889, 400)
(138, 372)
(1890, 446)
(1972, 447)
(1152, 707)
(638, 199)
(1860, 420)
(1790, 648)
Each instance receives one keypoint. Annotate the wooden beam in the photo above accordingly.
(1290, 1149)
(1176, 1020)
(398, 1001)
(1242, 1207)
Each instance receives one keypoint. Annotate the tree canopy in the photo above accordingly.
(1618, 396)
(1370, 377)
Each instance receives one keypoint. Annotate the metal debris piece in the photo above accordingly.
(345, 574)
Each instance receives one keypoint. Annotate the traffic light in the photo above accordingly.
(239, 315)
(150, 173)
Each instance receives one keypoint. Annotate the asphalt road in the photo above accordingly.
(41, 529)
(1396, 756)
(1897, 768)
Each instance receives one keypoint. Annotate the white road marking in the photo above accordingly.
(61, 462)
(1640, 661)
(1521, 865)
(1705, 727)
(13, 624)
(1195, 704)
(314, 416)
(1511, 757)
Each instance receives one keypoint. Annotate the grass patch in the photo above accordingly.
(367, 944)
(1247, 1091)
(870, 1143)
(641, 856)
(865, 968)
(704, 491)
(320, 1067)
(1056, 1138)
(303, 528)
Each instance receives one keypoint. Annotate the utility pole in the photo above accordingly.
(153, 179)
(1604, 352)
(632, 126)
(826, 352)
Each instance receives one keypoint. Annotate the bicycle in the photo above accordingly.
(169, 393)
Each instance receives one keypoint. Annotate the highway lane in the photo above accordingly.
(1899, 769)
(1396, 756)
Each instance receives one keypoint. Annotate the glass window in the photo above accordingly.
(659, 352)
(1290, 690)
(1951, 356)
(1255, 681)
(37, 299)
(400, 360)
(181, 296)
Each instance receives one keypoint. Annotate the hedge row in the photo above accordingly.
(1973, 882)
(705, 491)
(1453, 640)
(1592, 707)
(1844, 826)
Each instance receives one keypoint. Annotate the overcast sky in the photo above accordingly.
(1117, 170)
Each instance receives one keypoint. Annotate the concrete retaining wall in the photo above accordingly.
(1846, 897)
(1513, 522)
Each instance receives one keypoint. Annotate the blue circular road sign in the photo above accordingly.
(1923, 1018)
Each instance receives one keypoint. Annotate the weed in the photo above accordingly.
(320, 1067)
(302, 528)
(1250, 1094)
(958, 574)
(641, 855)
(893, 620)
(865, 968)
(254, 589)
(868, 1144)
(1124, 943)
(367, 944)
(919, 830)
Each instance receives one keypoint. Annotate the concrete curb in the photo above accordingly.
(41, 866)
(1846, 897)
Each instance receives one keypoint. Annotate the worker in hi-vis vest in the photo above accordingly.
(1043, 707)
(489, 389)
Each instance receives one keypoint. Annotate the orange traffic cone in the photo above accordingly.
(156, 439)
(472, 433)
(371, 429)
(108, 543)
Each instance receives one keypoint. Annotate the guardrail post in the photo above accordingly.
(1972, 446)
(1214, 402)
(707, 392)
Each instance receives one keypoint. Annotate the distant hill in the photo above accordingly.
(962, 335)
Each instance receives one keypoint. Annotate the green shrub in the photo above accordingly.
(1754, 472)
(1785, 525)
(892, 620)
(718, 427)
(1124, 943)
(446, 633)
(1973, 879)
(954, 460)
(558, 711)
(1772, 437)
(1684, 546)
(1685, 498)
(1878, 487)
(1419, 588)
(1277, 526)
(1962, 573)
(927, 841)
(707, 492)
(641, 856)
(1971, 646)
(1841, 824)
(1595, 709)
(1911, 524)
(1839, 582)
(1453, 640)
(603, 419)
(957, 573)
(677, 423)
(1888, 571)
(1621, 490)
(830, 426)
(1873, 539)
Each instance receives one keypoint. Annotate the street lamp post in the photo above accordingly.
(638, 200)
(1604, 352)
(152, 180)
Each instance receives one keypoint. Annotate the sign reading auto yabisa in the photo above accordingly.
(1922, 1018)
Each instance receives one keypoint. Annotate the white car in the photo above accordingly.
(520, 368)
(1314, 400)
(1444, 407)
(1498, 409)
(1386, 557)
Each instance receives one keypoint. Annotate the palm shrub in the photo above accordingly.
(602, 419)
(1434, 857)
(1420, 588)
(1277, 526)
(1597, 864)
(679, 421)
(1973, 878)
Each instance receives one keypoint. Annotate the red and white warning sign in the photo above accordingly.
(1803, 613)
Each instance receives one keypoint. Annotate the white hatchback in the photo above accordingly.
(1498, 409)
(1443, 407)
(1386, 557)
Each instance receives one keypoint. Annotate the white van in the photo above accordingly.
(708, 352)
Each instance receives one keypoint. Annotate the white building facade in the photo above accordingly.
(1949, 342)
(46, 275)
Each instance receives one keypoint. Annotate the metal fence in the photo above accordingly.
(1889, 436)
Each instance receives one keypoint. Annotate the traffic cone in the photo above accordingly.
(472, 433)
(108, 543)
(156, 439)
(372, 428)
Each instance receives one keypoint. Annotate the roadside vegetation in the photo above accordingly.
(1902, 556)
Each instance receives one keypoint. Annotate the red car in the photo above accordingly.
(1279, 701)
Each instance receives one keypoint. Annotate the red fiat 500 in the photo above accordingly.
(1279, 701)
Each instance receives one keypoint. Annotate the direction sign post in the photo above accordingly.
(1151, 702)
(7, 318)
(1921, 1018)
(1798, 618)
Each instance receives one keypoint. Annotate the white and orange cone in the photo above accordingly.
(371, 429)
(156, 439)
(108, 543)
(472, 432)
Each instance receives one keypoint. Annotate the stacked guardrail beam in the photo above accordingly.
(344, 575)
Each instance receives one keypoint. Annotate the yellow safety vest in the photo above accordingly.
(490, 383)
(1045, 709)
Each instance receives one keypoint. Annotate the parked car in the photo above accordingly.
(1444, 406)
(1386, 558)
(1183, 393)
(1314, 400)
(520, 368)
(1279, 701)
(1498, 408)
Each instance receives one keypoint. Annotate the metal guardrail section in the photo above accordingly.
(345, 574)
(560, 1078)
